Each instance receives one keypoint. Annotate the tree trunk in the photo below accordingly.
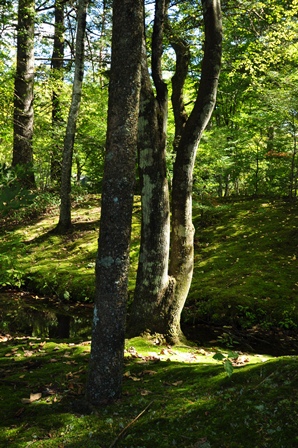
(23, 94)
(160, 295)
(106, 362)
(64, 223)
(153, 283)
(57, 77)
(181, 261)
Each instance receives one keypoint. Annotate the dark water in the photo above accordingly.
(24, 314)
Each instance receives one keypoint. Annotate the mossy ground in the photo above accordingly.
(245, 278)
(192, 401)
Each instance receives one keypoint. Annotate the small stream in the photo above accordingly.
(26, 314)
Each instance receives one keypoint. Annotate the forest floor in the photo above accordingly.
(243, 297)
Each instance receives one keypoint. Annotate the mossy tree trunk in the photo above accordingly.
(106, 362)
(153, 283)
(161, 290)
(23, 94)
(182, 254)
(64, 223)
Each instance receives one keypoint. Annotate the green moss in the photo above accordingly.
(191, 399)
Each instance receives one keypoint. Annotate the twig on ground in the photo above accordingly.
(121, 434)
(265, 379)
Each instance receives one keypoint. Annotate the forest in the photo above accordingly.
(148, 219)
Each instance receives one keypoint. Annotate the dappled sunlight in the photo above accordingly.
(178, 393)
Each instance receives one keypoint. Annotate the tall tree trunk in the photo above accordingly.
(106, 362)
(23, 94)
(160, 295)
(153, 283)
(64, 223)
(57, 76)
(181, 260)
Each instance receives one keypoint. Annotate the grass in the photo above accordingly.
(34, 257)
(191, 402)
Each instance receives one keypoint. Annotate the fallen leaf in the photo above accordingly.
(33, 397)
(134, 378)
(148, 372)
(145, 392)
(177, 383)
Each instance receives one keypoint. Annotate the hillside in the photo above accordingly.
(245, 272)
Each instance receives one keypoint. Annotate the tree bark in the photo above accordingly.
(106, 362)
(152, 282)
(181, 261)
(57, 76)
(161, 291)
(64, 223)
(23, 94)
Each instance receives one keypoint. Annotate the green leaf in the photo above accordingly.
(219, 356)
(228, 366)
(66, 295)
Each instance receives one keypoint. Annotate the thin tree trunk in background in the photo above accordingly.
(57, 77)
(23, 94)
(64, 223)
(106, 362)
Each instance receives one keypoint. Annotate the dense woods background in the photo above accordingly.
(250, 145)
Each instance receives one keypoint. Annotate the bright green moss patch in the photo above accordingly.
(58, 265)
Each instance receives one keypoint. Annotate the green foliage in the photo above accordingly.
(226, 360)
(249, 147)
(10, 275)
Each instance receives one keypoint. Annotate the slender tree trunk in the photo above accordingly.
(57, 76)
(181, 261)
(106, 362)
(64, 223)
(153, 283)
(293, 171)
(23, 94)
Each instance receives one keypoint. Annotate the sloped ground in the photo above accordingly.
(175, 396)
(245, 283)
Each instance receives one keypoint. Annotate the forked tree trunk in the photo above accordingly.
(106, 362)
(161, 293)
(153, 285)
(181, 262)
(23, 94)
